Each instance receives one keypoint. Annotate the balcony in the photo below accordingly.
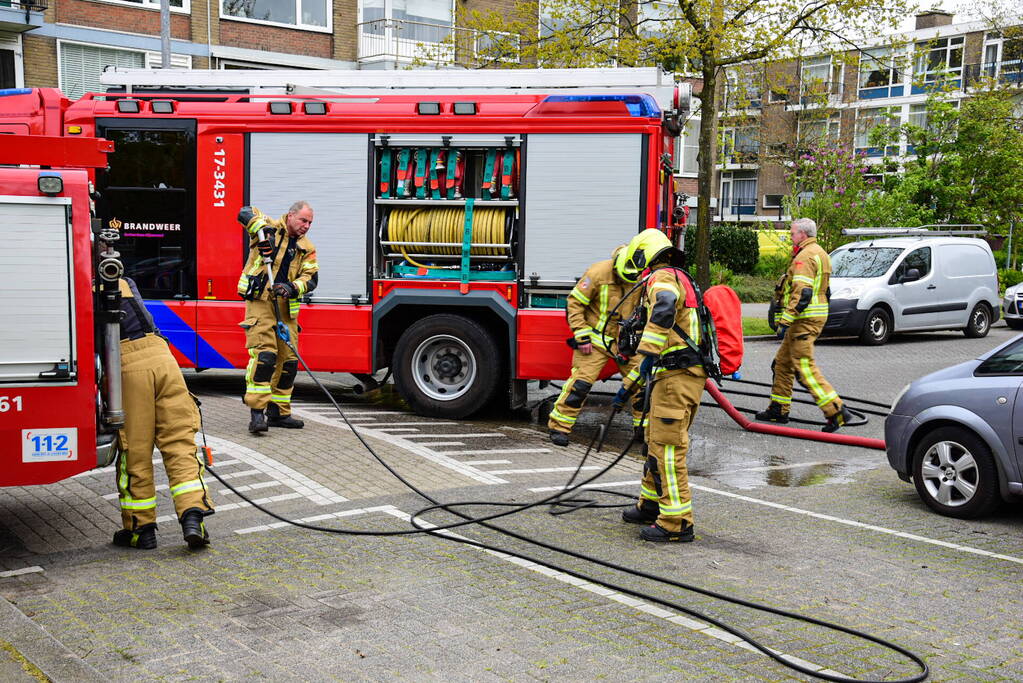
(399, 42)
(1006, 72)
(736, 101)
(816, 94)
(19, 16)
(735, 209)
(743, 156)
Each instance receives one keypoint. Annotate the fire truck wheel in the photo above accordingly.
(446, 366)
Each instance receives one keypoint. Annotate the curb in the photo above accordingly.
(42, 650)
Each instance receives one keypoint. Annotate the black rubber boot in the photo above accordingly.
(638, 434)
(257, 422)
(773, 414)
(837, 421)
(559, 438)
(275, 419)
(644, 513)
(657, 534)
(143, 538)
(193, 529)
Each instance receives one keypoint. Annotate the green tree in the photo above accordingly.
(703, 37)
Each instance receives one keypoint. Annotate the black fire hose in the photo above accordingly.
(439, 530)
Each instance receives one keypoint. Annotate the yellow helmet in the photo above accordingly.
(641, 251)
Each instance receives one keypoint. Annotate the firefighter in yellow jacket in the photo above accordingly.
(270, 374)
(594, 308)
(673, 371)
(803, 311)
(157, 410)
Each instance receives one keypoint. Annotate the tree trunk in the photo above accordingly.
(705, 160)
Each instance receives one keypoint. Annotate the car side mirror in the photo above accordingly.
(911, 275)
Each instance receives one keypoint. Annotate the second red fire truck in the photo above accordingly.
(450, 223)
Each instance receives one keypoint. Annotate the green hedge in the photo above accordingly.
(733, 246)
(1008, 277)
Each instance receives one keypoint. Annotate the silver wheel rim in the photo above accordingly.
(878, 327)
(444, 368)
(950, 474)
(980, 320)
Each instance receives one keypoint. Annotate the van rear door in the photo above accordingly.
(965, 268)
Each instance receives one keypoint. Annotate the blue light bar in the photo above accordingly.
(638, 105)
(14, 91)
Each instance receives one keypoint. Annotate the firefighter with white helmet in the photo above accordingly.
(157, 410)
(270, 374)
(595, 307)
(804, 311)
(671, 370)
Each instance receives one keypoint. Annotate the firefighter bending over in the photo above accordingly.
(273, 366)
(594, 309)
(157, 410)
(803, 311)
(671, 371)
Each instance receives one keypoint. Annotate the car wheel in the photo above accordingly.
(955, 474)
(979, 323)
(446, 366)
(877, 329)
(1014, 324)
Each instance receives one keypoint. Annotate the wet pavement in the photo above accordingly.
(820, 529)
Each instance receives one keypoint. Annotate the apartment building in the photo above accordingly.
(68, 43)
(772, 113)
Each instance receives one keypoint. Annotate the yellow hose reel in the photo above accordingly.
(432, 227)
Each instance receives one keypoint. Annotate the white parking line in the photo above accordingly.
(235, 506)
(545, 470)
(487, 462)
(458, 436)
(601, 485)
(386, 425)
(23, 570)
(448, 443)
(495, 451)
(397, 429)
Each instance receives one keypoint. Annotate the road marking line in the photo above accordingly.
(311, 520)
(413, 447)
(545, 470)
(386, 425)
(457, 436)
(600, 485)
(777, 467)
(448, 443)
(164, 487)
(397, 429)
(243, 504)
(487, 462)
(861, 525)
(653, 610)
(23, 570)
(251, 487)
(501, 451)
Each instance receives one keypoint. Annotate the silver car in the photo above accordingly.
(957, 434)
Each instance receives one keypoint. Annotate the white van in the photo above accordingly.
(910, 284)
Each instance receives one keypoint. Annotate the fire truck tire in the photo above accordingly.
(446, 366)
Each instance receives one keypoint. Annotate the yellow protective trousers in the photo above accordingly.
(158, 410)
(270, 374)
(586, 369)
(794, 360)
(674, 398)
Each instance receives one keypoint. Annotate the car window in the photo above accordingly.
(919, 259)
(863, 261)
(1008, 361)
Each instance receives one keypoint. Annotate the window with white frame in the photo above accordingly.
(686, 156)
(175, 5)
(311, 14)
(818, 77)
(1003, 57)
(877, 68)
(80, 65)
(939, 58)
(819, 132)
(738, 194)
(743, 86)
(741, 144)
(868, 120)
(405, 24)
(656, 17)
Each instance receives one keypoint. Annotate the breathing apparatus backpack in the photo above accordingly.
(720, 311)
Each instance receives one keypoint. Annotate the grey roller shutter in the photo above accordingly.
(582, 200)
(328, 170)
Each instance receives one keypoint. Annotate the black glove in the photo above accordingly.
(285, 289)
(265, 247)
(246, 215)
(781, 330)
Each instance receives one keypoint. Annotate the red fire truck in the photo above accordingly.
(59, 411)
(453, 210)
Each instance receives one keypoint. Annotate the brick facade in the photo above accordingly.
(40, 59)
(115, 17)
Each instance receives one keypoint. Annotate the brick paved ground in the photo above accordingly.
(778, 521)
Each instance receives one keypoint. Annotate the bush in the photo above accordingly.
(772, 266)
(752, 289)
(733, 246)
(1008, 277)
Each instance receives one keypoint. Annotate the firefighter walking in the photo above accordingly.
(803, 310)
(671, 372)
(595, 307)
(158, 410)
(273, 366)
